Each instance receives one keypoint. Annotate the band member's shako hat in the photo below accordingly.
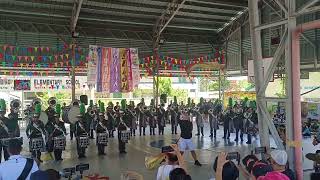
(37, 110)
(57, 110)
(101, 109)
(2, 105)
(82, 110)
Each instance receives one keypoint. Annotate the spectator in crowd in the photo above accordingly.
(260, 168)
(274, 175)
(306, 132)
(17, 167)
(53, 174)
(39, 175)
(179, 174)
(225, 169)
(278, 161)
(173, 160)
(49, 174)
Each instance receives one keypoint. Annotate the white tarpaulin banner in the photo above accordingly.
(43, 83)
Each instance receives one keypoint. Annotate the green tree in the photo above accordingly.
(165, 86)
(204, 84)
(214, 85)
(62, 97)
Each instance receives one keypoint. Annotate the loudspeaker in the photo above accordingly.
(84, 99)
(163, 97)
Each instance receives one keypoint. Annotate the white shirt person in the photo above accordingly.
(13, 167)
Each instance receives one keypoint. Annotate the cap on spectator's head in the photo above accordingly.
(274, 175)
(14, 144)
(261, 168)
(280, 157)
(39, 175)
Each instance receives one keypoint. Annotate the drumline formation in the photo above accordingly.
(46, 129)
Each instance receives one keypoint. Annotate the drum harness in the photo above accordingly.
(103, 126)
(81, 126)
(37, 127)
(56, 127)
(4, 127)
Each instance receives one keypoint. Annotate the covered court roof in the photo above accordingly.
(119, 23)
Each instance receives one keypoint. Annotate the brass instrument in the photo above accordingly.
(197, 109)
(145, 108)
(75, 103)
(52, 102)
(185, 110)
(133, 112)
(210, 111)
(15, 105)
(92, 112)
(153, 110)
(36, 101)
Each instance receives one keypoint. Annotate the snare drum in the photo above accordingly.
(5, 141)
(59, 142)
(83, 141)
(36, 144)
(125, 136)
(102, 138)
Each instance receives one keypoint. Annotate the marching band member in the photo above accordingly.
(4, 131)
(213, 121)
(90, 116)
(81, 133)
(13, 125)
(161, 119)
(152, 120)
(200, 121)
(101, 131)
(122, 142)
(35, 132)
(73, 126)
(142, 119)
(56, 135)
(132, 117)
(174, 118)
(251, 118)
(238, 122)
(110, 121)
(227, 117)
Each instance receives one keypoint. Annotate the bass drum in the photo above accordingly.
(72, 114)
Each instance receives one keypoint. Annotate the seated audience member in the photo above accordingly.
(278, 161)
(274, 175)
(225, 169)
(179, 174)
(173, 160)
(306, 130)
(14, 166)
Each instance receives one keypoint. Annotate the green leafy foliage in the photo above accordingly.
(62, 97)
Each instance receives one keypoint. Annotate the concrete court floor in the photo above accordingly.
(138, 147)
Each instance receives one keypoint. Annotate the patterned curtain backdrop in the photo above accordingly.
(92, 66)
(134, 67)
(116, 70)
